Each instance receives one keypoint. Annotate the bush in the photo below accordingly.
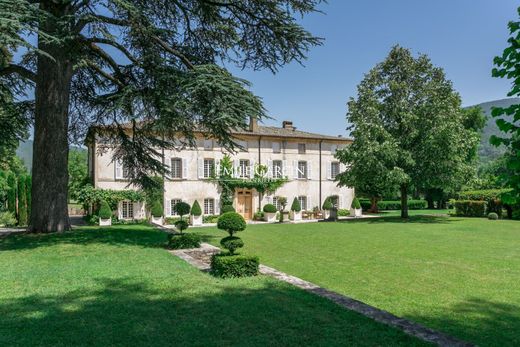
(157, 209)
(469, 208)
(365, 204)
(183, 241)
(396, 205)
(171, 220)
(227, 208)
(492, 216)
(181, 208)
(495, 205)
(327, 204)
(7, 219)
(104, 210)
(296, 207)
(259, 215)
(181, 225)
(225, 266)
(195, 209)
(22, 203)
(232, 243)
(342, 212)
(209, 218)
(231, 222)
(356, 204)
(485, 195)
(270, 208)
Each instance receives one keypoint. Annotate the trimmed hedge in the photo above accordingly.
(270, 208)
(181, 225)
(195, 209)
(486, 194)
(492, 216)
(396, 205)
(296, 207)
(231, 222)
(157, 209)
(343, 212)
(327, 205)
(225, 265)
(183, 241)
(356, 204)
(104, 210)
(227, 208)
(232, 243)
(366, 204)
(470, 208)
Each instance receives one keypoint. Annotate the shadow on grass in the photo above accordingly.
(397, 219)
(480, 321)
(128, 313)
(137, 235)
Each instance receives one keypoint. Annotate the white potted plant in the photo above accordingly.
(355, 209)
(105, 214)
(157, 213)
(296, 210)
(196, 214)
(327, 206)
(270, 213)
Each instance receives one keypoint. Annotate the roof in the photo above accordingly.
(283, 132)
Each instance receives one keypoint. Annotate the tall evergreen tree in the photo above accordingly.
(150, 64)
(22, 201)
(28, 188)
(11, 193)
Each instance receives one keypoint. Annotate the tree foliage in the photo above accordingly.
(78, 176)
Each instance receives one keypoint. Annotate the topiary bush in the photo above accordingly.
(396, 205)
(296, 207)
(469, 208)
(492, 216)
(270, 208)
(104, 210)
(195, 209)
(232, 243)
(227, 208)
(181, 208)
(183, 241)
(342, 212)
(225, 266)
(157, 209)
(231, 222)
(259, 215)
(327, 205)
(356, 204)
(181, 225)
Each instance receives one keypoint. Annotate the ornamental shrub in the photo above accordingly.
(232, 243)
(231, 222)
(492, 216)
(157, 209)
(356, 204)
(366, 204)
(327, 204)
(296, 207)
(470, 208)
(181, 225)
(259, 215)
(211, 218)
(104, 210)
(7, 219)
(485, 194)
(195, 209)
(227, 208)
(181, 208)
(270, 208)
(495, 205)
(342, 212)
(396, 204)
(225, 266)
(183, 241)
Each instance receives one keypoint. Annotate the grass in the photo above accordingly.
(392, 213)
(460, 276)
(118, 286)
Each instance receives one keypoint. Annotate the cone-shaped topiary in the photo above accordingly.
(296, 207)
(327, 204)
(231, 222)
(104, 210)
(195, 209)
(269, 208)
(356, 204)
(157, 209)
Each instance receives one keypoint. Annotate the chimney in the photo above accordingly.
(253, 124)
(287, 124)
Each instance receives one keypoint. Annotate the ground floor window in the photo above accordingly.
(127, 210)
(172, 205)
(303, 202)
(276, 203)
(209, 206)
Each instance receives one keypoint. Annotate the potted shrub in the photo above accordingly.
(327, 206)
(355, 209)
(196, 214)
(282, 200)
(296, 210)
(270, 213)
(105, 214)
(157, 213)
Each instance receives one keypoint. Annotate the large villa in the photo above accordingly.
(305, 159)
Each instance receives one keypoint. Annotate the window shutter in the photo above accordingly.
(309, 170)
(295, 169)
(270, 169)
(329, 170)
(118, 169)
(200, 168)
(217, 206)
(184, 168)
(284, 168)
(236, 164)
(309, 203)
(251, 169)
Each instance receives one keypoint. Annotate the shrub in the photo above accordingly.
(195, 209)
(342, 212)
(225, 266)
(183, 241)
(22, 203)
(181, 225)
(11, 193)
(227, 208)
(495, 205)
(231, 222)
(104, 210)
(296, 207)
(181, 208)
(366, 204)
(28, 189)
(232, 243)
(7, 219)
(485, 194)
(327, 204)
(356, 204)
(469, 208)
(270, 208)
(157, 209)
(492, 216)
(396, 204)
(171, 220)
(209, 218)
(259, 215)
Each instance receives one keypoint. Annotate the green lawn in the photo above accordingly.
(118, 286)
(392, 213)
(460, 276)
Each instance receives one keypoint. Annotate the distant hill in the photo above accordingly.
(25, 152)
(487, 151)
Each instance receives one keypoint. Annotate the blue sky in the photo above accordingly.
(462, 36)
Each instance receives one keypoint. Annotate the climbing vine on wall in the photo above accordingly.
(90, 197)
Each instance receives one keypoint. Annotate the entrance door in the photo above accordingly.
(245, 203)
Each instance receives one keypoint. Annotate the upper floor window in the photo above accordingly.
(277, 169)
(302, 169)
(243, 168)
(122, 172)
(333, 149)
(209, 206)
(127, 209)
(209, 167)
(174, 202)
(208, 145)
(277, 147)
(303, 202)
(176, 168)
(301, 148)
(334, 170)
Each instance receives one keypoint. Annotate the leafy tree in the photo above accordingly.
(408, 130)
(22, 201)
(28, 189)
(11, 193)
(145, 66)
(508, 66)
(78, 175)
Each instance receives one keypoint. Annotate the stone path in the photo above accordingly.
(200, 258)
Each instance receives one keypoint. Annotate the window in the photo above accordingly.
(122, 172)
(277, 169)
(334, 170)
(333, 149)
(277, 147)
(209, 167)
(127, 209)
(303, 202)
(208, 145)
(276, 203)
(172, 205)
(243, 168)
(301, 148)
(209, 206)
(176, 168)
(302, 169)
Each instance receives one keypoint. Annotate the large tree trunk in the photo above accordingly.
(50, 152)
(404, 201)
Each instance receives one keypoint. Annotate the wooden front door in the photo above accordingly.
(245, 203)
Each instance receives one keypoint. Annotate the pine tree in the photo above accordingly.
(22, 201)
(11, 193)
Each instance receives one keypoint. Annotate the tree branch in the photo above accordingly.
(173, 51)
(105, 74)
(20, 70)
(114, 44)
(91, 18)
